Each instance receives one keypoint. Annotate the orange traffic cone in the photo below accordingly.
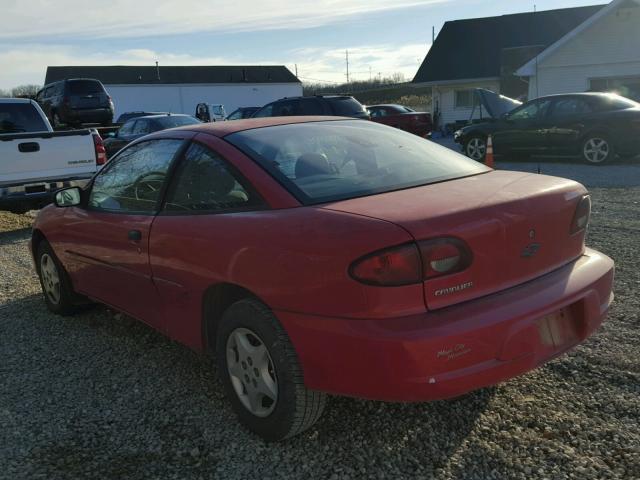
(488, 159)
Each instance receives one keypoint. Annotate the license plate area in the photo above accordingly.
(558, 329)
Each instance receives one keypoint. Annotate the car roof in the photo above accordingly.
(387, 105)
(222, 129)
(16, 100)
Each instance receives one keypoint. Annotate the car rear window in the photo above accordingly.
(173, 121)
(616, 102)
(20, 118)
(335, 160)
(345, 106)
(84, 87)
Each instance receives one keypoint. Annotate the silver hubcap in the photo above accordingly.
(251, 371)
(476, 148)
(596, 150)
(50, 278)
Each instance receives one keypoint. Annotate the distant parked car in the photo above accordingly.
(593, 126)
(404, 118)
(75, 102)
(210, 112)
(334, 105)
(129, 115)
(242, 112)
(141, 126)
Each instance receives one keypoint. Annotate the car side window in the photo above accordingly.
(204, 183)
(127, 128)
(235, 115)
(310, 106)
(266, 111)
(133, 181)
(141, 127)
(568, 107)
(284, 109)
(531, 111)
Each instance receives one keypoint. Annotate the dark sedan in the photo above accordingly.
(141, 126)
(591, 126)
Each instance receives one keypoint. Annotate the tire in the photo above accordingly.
(597, 149)
(476, 148)
(51, 273)
(254, 353)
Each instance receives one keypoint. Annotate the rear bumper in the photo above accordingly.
(35, 194)
(449, 352)
(91, 115)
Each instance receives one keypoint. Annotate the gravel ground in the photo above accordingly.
(100, 395)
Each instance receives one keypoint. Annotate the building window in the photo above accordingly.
(464, 99)
(626, 86)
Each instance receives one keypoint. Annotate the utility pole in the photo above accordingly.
(433, 35)
(296, 65)
(369, 72)
(347, 59)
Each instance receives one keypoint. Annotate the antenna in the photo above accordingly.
(157, 71)
(347, 59)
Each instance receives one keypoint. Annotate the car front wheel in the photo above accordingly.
(261, 373)
(56, 286)
(597, 149)
(476, 148)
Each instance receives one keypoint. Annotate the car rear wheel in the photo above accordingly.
(261, 373)
(476, 148)
(56, 286)
(597, 149)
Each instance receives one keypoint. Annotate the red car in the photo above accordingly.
(404, 118)
(327, 255)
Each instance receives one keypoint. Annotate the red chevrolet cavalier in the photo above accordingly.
(328, 255)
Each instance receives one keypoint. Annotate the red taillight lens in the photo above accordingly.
(101, 153)
(409, 264)
(581, 217)
(389, 268)
(444, 256)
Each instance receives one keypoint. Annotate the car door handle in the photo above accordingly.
(135, 235)
(29, 147)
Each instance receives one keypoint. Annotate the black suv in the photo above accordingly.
(76, 101)
(338, 105)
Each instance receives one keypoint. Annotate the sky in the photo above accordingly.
(383, 37)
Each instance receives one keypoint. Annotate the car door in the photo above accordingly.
(107, 239)
(566, 123)
(520, 131)
(197, 239)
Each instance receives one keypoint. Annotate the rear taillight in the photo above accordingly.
(101, 153)
(581, 217)
(391, 267)
(412, 263)
(443, 256)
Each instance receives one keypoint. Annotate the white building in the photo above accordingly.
(601, 54)
(180, 89)
(528, 55)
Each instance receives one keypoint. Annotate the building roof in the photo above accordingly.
(135, 75)
(472, 49)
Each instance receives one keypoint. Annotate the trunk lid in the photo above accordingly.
(515, 224)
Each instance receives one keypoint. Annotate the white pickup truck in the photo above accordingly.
(35, 161)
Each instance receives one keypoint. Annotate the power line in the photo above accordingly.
(320, 80)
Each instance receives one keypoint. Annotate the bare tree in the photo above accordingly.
(25, 91)
(5, 93)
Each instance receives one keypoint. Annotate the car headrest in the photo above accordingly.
(312, 164)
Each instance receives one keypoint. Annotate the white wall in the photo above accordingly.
(608, 48)
(445, 95)
(183, 98)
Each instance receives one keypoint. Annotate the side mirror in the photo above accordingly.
(68, 197)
